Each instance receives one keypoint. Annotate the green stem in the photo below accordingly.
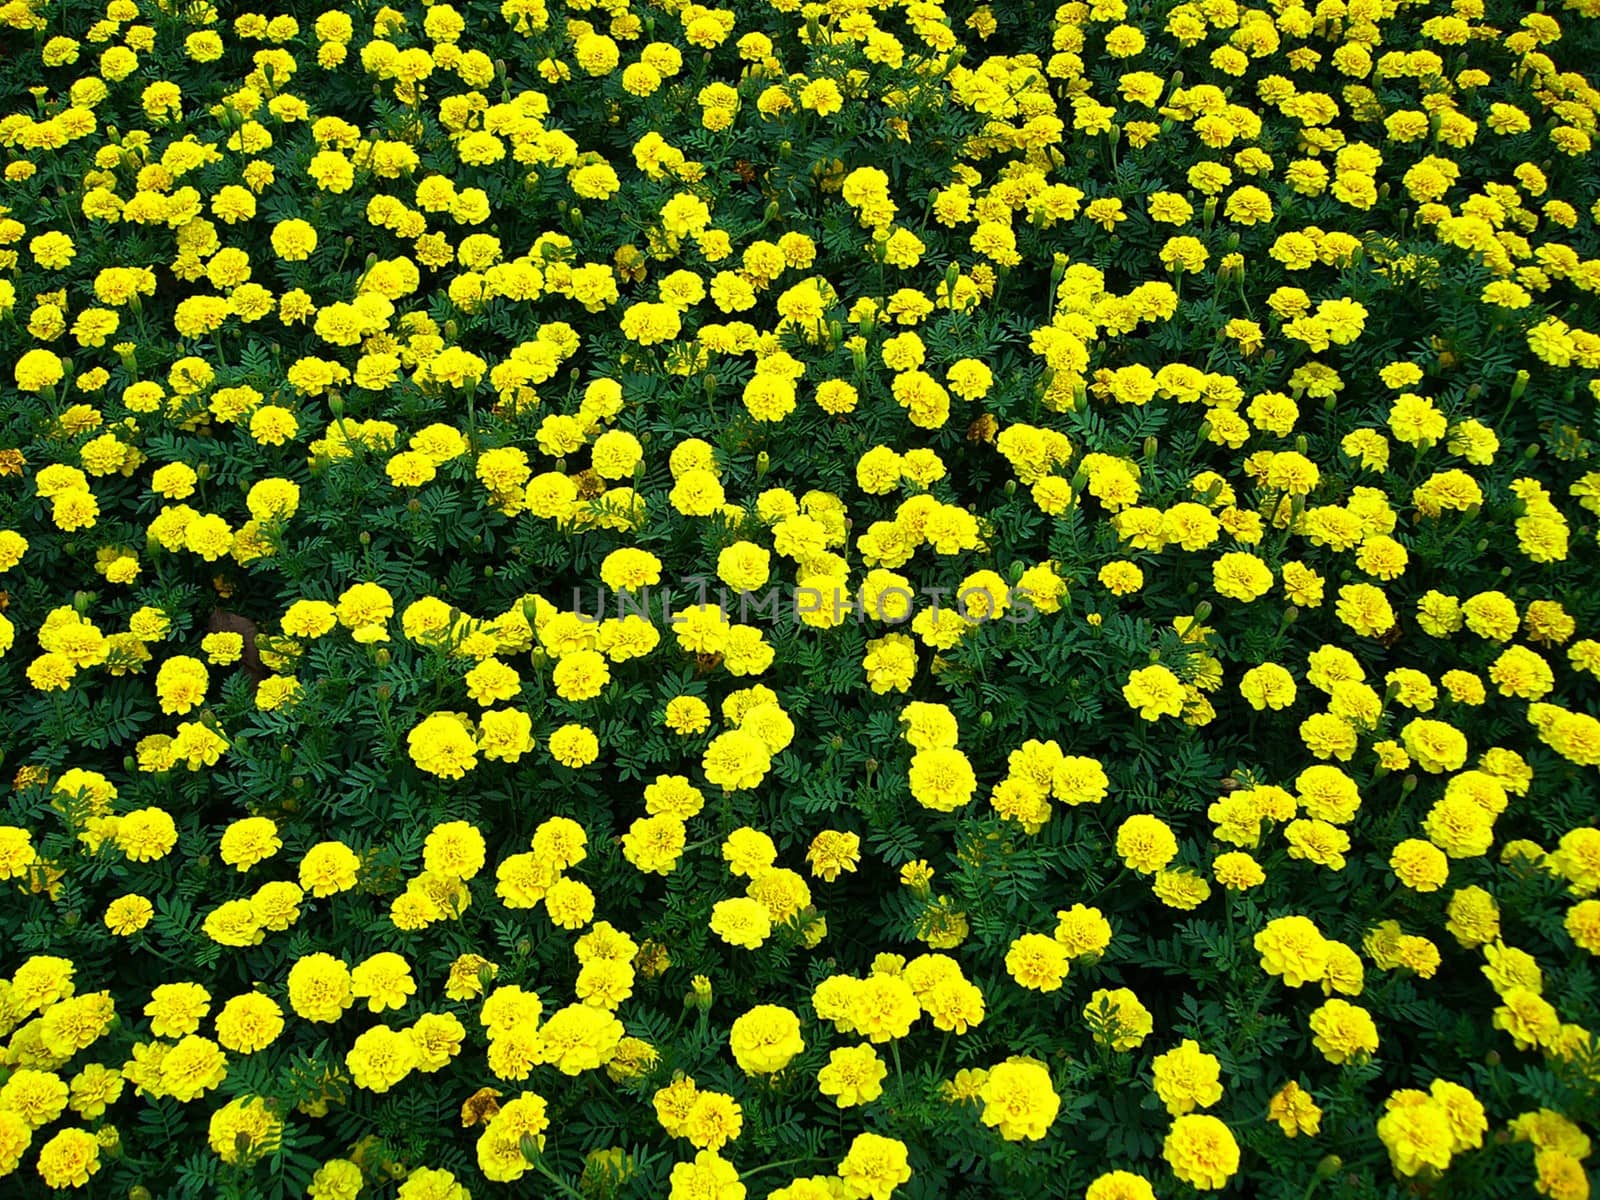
(565, 1188)
(787, 1162)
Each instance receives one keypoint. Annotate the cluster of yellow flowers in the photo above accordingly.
(1114, 462)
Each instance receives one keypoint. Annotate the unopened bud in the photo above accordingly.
(1329, 1166)
(699, 996)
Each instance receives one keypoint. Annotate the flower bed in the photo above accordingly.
(813, 601)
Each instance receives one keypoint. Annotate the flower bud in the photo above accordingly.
(1058, 272)
(1520, 386)
(1329, 1166)
(763, 464)
(699, 996)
